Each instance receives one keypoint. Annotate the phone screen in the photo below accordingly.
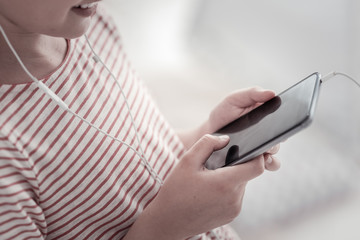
(269, 124)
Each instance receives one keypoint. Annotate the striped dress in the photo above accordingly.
(62, 179)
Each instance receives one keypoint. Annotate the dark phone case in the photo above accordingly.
(231, 154)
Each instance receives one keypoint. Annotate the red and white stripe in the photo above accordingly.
(61, 178)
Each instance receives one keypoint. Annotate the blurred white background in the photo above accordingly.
(192, 53)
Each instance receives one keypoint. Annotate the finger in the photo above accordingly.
(202, 149)
(245, 171)
(261, 95)
(275, 149)
(251, 96)
(272, 163)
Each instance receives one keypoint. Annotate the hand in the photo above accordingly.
(194, 199)
(272, 163)
(235, 105)
(232, 107)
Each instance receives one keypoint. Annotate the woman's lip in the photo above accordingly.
(85, 12)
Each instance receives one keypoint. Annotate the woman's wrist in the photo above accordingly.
(189, 137)
(151, 225)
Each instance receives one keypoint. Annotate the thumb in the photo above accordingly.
(203, 148)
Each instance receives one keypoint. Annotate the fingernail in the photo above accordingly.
(262, 90)
(269, 160)
(224, 138)
(273, 148)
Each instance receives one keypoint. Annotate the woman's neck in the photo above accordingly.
(41, 54)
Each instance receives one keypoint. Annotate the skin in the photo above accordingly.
(193, 199)
(182, 208)
(37, 32)
(189, 208)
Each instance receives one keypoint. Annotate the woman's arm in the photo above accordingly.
(194, 199)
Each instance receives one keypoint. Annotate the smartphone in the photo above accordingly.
(269, 124)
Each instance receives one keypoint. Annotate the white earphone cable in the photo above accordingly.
(64, 106)
(142, 155)
(333, 74)
(98, 59)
